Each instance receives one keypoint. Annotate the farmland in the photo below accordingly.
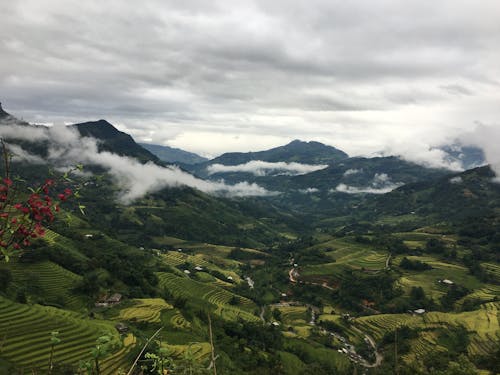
(26, 336)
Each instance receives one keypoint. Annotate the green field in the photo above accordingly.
(25, 336)
(347, 254)
(428, 279)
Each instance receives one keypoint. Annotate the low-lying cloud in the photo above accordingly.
(350, 172)
(381, 184)
(66, 147)
(309, 190)
(486, 137)
(264, 168)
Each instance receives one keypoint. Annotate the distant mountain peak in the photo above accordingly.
(100, 128)
(3, 113)
(114, 140)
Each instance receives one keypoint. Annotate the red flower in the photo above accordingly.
(7, 181)
(61, 197)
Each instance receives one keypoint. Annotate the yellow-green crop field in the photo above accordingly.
(25, 337)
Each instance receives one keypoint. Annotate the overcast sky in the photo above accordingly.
(215, 76)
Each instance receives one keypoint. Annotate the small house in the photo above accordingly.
(114, 299)
(230, 278)
(187, 272)
(447, 282)
(121, 328)
(198, 268)
(419, 311)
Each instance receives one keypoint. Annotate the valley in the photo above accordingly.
(397, 272)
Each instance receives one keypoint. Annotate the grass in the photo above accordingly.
(428, 279)
(25, 332)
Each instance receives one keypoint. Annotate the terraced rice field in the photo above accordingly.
(145, 310)
(483, 325)
(120, 361)
(199, 350)
(484, 294)
(378, 325)
(345, 258)
(55, 283)
(56, 240)
(425, 343)
(493, 269)
(176, 258)
(293, 314)
(25, 332)
(208, 295)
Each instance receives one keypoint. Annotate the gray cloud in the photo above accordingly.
(359, 75)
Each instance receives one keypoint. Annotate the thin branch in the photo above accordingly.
(143, 349)
(212, 343)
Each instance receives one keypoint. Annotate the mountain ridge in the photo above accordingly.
(173, 155)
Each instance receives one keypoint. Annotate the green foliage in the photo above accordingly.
(414, 265)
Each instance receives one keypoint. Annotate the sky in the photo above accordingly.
(393, 77)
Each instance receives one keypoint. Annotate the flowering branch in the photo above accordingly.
(23, 216)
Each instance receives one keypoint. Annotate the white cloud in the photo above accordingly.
(486, 136)
(264, 168)
(350, 172)
(456, 180)
(381, 184)
(20, 154)
(67, 148)
(309, 190)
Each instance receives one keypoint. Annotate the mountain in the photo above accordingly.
(7, 119)
(454, 198)
(173, 155)
(3, 114)
(313, 153)
(114, 140)
(296, 151)
(367, 173)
